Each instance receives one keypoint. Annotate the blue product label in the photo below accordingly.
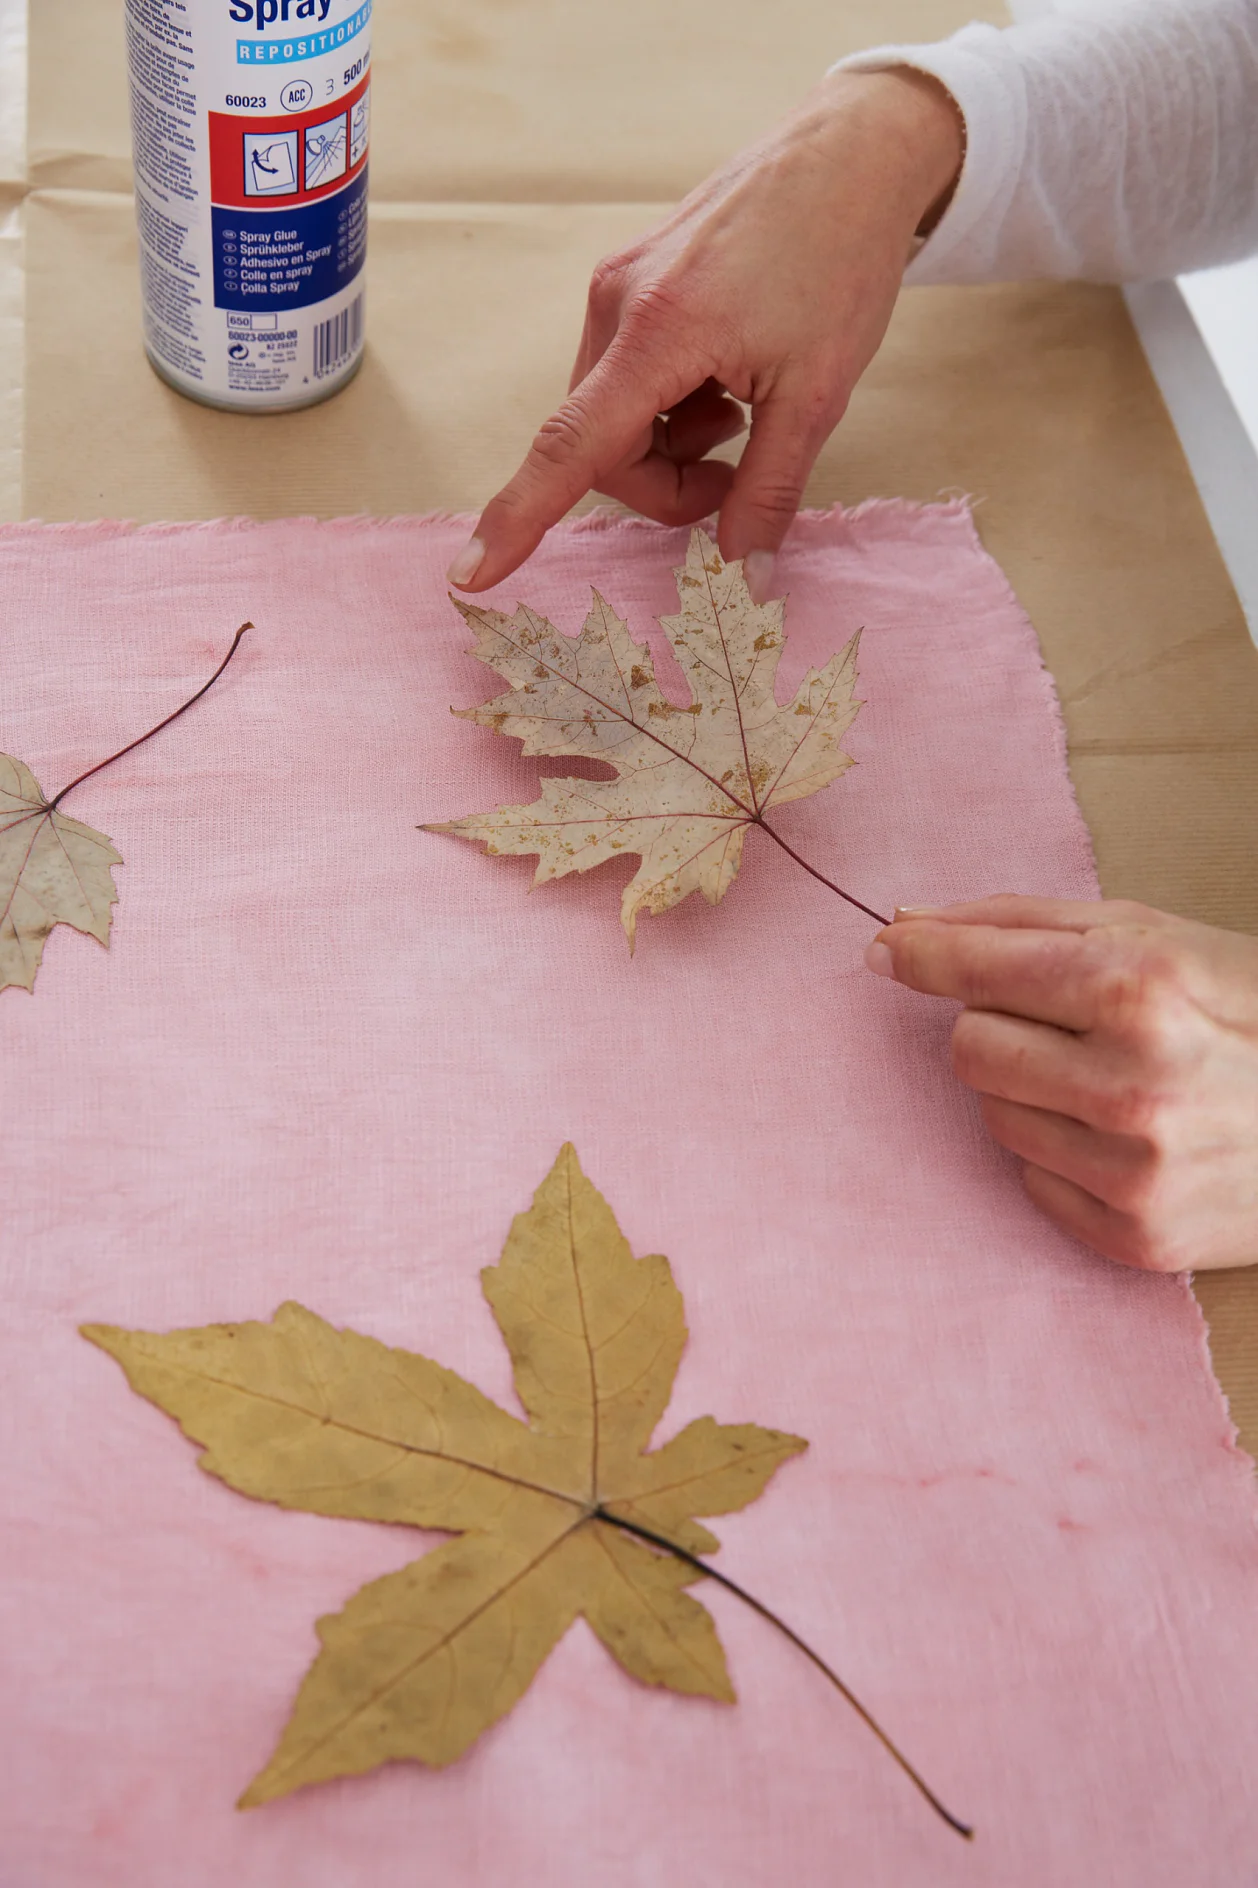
(289, 50)
(290, 258)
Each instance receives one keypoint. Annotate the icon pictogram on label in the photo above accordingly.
(327, 147)
(359, 120)
(270, 163)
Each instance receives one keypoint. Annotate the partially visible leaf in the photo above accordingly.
(53, 870)
(690, 779)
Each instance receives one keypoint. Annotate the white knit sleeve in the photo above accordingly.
(1115, 145)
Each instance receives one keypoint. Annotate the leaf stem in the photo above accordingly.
(762, 822)
(53, 804)
(757, 1606)
(755, 817)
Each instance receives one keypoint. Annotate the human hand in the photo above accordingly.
(1115, 1050)
(774, 281)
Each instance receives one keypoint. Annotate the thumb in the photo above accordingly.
(787, 433)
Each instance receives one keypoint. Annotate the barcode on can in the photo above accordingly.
(336, 339)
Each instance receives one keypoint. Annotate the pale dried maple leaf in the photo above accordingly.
(53, 870)
(690, 780)
(419, 1663)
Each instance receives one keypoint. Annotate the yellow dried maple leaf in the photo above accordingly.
(53, 870)
(689, 780)
(419, 1663)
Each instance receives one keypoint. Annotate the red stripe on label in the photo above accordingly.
(289, 157)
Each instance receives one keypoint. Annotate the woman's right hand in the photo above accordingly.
(773, 282)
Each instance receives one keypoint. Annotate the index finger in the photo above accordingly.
(595, 428)
(1046, 976)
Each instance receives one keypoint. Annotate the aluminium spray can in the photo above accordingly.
(249, 124)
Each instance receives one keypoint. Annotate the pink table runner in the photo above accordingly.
(329, 1056)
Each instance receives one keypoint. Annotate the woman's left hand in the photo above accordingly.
(1115, 1050)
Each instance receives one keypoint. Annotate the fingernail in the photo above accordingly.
(878, 958)
(758, 574)
(916, 911)
(468, 562)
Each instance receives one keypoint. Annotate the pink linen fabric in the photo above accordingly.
(328, 1056)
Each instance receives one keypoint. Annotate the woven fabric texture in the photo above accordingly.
(328, 1056)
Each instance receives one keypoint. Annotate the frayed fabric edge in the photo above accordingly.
(1231, 1436)
(1047, 684)
(917, 514)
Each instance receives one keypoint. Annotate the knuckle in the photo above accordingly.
(560, 440)
(1150, 1248)
(608, 282)
(509, 503)
(1118, 1106)
(1006, 905)
(1127, 912)
(1148, 1017)
(1143, 1191)
(1004, 1124)
(971, 1047)
(976, 982)
(1130, 1105)
(1142, 1000)
(1134, 1238)
(1138, 1184)
(654, 305)
(776, 499)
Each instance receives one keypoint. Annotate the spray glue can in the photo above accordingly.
(249, 127)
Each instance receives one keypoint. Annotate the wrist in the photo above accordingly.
(915, 125)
